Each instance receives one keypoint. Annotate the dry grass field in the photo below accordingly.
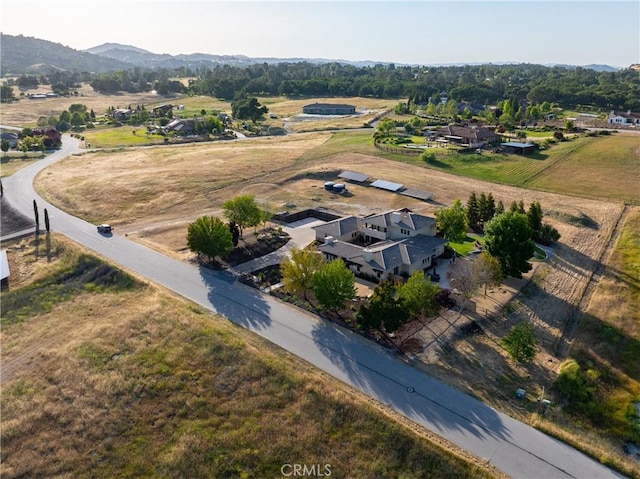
(170, 390)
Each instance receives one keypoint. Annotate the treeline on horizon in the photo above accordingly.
(479, 84)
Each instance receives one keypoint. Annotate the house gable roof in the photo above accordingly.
(339, 227)
(467, 132)
(408, 220)
(385, 255)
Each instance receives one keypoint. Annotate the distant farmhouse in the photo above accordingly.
(121, 114)
(329, 109)
(183, 126)
(162, 110)
(623, 118)
(469, 136)
(381, 246)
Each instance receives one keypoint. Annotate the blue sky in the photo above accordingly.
(415, 32)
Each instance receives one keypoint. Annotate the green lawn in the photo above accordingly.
(114, 137)
(465, 247)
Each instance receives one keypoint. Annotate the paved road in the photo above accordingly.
(518, 450)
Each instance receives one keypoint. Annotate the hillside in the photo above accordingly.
(21, 55)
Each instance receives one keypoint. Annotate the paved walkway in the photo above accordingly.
(301, 236)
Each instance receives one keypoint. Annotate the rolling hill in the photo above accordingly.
(21, 55)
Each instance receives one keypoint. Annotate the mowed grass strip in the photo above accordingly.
(604, 166)
(145, 384)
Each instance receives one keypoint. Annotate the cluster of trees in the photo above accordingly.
(509, 235)
(137, 81)
(75, 116)
(212, 237)
(480, 84)
(483, 84)
(247, 108)
(391, 304)
(481, 209)
(305, 271)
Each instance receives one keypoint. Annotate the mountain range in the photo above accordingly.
(24, 55)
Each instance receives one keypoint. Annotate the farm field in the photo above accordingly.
(171, 390)
(606, 167)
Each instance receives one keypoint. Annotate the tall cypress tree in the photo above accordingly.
(473, 214)
(35, 212)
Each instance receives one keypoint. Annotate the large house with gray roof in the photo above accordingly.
(380, 246)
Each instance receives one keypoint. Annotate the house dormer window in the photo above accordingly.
(405, 232)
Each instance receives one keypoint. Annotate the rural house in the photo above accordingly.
(11, 138)
(381, 246)
(328, 109)
(474, 137)
(162, 110)
(121, 114)
(182, 126)
(623, 118)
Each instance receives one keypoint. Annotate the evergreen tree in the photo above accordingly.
(535, 219)
(491, 207)
(473, 213)
(37, 216)
(499, 208)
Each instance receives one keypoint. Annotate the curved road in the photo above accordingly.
(513, 447)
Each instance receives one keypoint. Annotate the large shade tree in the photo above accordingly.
(333, 284)
(419, 295)
(209, 236)
(243, 210)
(452, 222)
(508, 238)
(298, 270)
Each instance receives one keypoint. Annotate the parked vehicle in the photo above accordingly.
(104, 228)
